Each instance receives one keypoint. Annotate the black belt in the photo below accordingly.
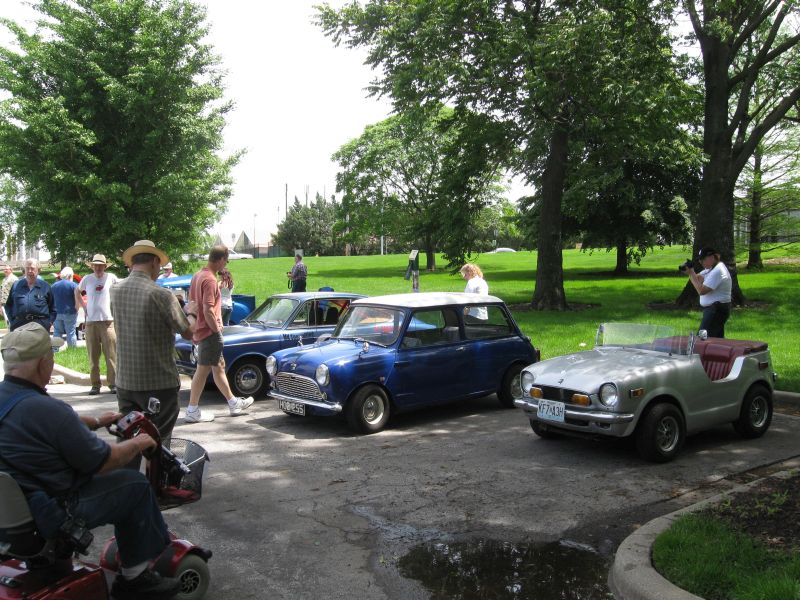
(36, 317)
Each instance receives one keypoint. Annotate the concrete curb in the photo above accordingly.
(786, 398)
(74, 377)
(632, 576)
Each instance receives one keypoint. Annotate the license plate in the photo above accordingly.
(292, 407)
(551, 411)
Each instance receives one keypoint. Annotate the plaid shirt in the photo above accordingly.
(146, 318)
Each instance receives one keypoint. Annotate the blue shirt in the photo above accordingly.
(44, 445)
(27, 303)
(64, 296)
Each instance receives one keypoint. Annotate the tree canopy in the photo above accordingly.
(414, 178)
(547, 77)
(310, 228)
(113, 127)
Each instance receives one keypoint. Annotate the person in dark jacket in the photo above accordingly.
(31, 299)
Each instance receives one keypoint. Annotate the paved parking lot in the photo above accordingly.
(300, 508)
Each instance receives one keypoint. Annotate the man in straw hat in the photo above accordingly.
(100, 333)
(147, 317)
(66, 471)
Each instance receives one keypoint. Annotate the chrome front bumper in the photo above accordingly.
(579, 415)
(335, 407)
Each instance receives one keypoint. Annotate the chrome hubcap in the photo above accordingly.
(373, 409)
(247, 378)
(758, 412)
(516, 386)
(667, 434)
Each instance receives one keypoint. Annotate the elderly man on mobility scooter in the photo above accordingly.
(68, 473)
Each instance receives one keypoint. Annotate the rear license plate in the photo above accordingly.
(292, 407)
(551, 411)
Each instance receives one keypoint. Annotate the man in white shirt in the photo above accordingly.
(100, 334)
(713, 284)
(167, 272)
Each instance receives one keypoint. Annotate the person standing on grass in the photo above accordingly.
(30, 299)
(476, 284)
(100, 333)
(298, 274)
(226, 292)
(66, 307)
(204, 294)
(713, 284)
(147, 317)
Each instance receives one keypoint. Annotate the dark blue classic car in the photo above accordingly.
(282, 321)
(396, 353)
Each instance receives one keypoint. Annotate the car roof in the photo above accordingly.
(420, 300)
(302, 296)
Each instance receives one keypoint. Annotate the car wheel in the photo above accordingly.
(368, 410)
(756, 414)
(248, 377)
(660, 433)
(543, 431)
(193, 574)
(511, 388)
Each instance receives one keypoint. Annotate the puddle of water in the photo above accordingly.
(479, 569)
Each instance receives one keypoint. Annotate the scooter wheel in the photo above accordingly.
(194, 576)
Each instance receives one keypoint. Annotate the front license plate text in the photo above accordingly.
(292, 407)
(551, 411)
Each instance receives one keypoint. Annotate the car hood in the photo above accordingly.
(241, 334)
(333, 353)
(586, 371)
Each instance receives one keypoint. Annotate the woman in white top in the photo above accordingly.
(475, 285)
(226, 294)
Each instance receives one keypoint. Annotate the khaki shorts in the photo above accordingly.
(209, 351)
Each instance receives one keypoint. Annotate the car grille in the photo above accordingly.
(297, 386)
(559, 394)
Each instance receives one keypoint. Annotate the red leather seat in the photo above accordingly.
(718, 355)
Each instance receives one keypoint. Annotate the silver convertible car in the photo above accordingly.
(645, 381)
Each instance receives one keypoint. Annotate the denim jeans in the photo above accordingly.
(64, 325)
(124, 499)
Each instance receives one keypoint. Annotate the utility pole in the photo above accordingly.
(286, 199)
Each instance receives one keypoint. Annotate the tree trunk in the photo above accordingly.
(715, 211)
(549, 291)
(754, 254)
(430, 254)
(622, 258)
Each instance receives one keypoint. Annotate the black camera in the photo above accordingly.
(687, 265)
(76, 532)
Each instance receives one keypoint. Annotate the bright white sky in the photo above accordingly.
(297, 97)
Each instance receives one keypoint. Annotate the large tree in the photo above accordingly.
(413, 178)
(310, 228)
(114, 125)
(549, 74)
(743, 43)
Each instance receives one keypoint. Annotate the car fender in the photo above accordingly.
(354, 391)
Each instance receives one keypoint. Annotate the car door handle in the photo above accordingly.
(461, 348)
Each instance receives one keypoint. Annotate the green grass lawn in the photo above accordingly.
(706, 557)
(587, 281)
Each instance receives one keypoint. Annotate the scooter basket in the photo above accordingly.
(182, 482)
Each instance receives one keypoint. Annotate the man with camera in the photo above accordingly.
(73, 480)
(713, 284)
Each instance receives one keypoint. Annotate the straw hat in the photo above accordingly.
(98, 259)
(143, 247)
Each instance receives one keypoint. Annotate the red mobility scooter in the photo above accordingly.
(34, 568)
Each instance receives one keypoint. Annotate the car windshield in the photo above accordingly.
(642, 336)
(372, 324)
(274, 312)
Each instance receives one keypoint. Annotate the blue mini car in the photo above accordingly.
(396, 353)
(282, 321)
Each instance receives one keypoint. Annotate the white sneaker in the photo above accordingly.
(239, 405)
(197, 416)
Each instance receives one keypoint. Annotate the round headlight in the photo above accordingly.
(322, 374)
(527, 381)
(608, 394)
(272, 365)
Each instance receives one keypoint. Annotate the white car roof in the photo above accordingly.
(420, 300)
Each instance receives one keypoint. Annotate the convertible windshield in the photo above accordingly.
(372, 324)
(274, 312)
(658, 338)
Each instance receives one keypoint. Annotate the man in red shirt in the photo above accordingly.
(204, 291)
